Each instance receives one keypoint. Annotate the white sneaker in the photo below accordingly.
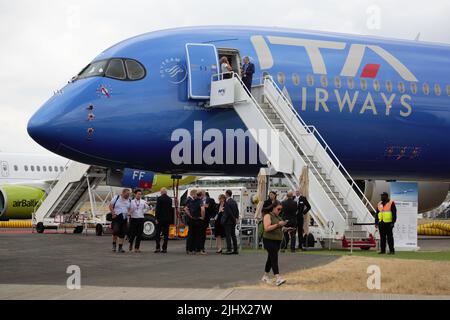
(266, 279)
(280, 281)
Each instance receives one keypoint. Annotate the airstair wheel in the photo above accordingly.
(40, 227)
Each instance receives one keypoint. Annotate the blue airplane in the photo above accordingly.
(382, 105)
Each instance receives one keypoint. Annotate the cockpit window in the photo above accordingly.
(135, 70)
(95, 69)
(116, 70)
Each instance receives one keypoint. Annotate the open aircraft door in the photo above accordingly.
(203, 64)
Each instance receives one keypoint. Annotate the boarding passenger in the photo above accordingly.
(197, 216)
(272, 237)
(289, 215)
(230, 220)
(164, 215)
(385, 219)
(187, 211)
(120, 208)
(139, 208)
(303, 208)
(225, 67)
(219, 229)
(272, 197)
(210, 210)
(248, 69)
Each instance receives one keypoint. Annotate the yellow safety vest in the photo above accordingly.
(385, 213)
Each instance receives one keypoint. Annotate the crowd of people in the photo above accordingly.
(200, 208)
(128, 216)
(282, 221)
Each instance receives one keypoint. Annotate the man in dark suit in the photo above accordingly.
(164, 215)
(229, 220)
(210, 211)
(303, 208)
(289, 214)
(248, 70)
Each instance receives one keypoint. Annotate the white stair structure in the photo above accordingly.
(68, 193)
(334, 196)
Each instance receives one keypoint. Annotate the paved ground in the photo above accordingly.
(48, 292)
(43, 259)
(434, 243)
(34, 266)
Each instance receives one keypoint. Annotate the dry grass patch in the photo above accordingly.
(349, 274)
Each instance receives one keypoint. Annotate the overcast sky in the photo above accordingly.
(44, 43)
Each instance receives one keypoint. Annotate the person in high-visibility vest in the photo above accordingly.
(385, 220)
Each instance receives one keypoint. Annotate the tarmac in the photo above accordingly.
(34, 266)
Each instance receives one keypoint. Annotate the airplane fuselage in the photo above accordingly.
(382, 105)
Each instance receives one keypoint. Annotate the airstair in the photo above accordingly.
(67, 194)
(339, 206)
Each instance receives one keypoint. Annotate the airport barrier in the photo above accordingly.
(434, 229)
(16, 224)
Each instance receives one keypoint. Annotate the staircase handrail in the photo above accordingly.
(313, 130)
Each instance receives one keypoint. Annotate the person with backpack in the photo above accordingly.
(272, 237)
(120, 208)
(229, 221)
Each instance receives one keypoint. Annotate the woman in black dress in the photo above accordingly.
(219, 230)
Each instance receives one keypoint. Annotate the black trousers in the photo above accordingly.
(135, 232)
(272, 247)
(195, 235)
(203, 234)
(289, 236)
(162, 227)
(386, 233)
(119, 227)
(248, 84)
(188, 223)
(300, 222)
(230, 232)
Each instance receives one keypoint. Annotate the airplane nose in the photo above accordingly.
(42, 128)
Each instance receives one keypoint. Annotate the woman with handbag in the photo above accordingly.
(272, 237)
(219, 230)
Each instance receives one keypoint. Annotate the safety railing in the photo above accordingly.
(220, 76)
(314, 131)
(295, 143)
(331, 195)
(47, 191)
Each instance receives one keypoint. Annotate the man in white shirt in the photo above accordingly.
(139, 208)
(120, 208)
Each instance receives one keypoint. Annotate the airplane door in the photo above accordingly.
(202, 62)
(4, 168)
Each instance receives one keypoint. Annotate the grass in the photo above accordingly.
(419, 255)
(350, 274)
